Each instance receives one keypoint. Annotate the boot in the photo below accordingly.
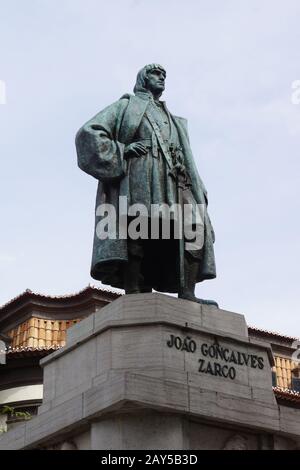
(132, 276)
(191, 267)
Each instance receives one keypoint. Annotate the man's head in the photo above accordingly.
(151, 78)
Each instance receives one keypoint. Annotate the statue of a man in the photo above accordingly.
(137, 149)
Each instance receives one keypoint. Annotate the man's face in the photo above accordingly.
(156, 81)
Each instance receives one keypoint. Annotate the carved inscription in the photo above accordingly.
(215, 359)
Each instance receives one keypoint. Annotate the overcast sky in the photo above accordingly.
(230, 68)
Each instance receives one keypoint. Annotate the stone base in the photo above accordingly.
(150, 371)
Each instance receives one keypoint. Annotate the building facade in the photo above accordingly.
(32, 326)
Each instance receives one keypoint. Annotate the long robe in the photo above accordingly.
(100, 147)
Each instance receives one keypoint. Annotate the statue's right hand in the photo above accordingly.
(136, 149)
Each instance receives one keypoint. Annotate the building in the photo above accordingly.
(33, 325)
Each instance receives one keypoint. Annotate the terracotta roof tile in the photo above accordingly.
(27, 351)
(266, 333)
(287, 394)
(30, 294)
(284, 371)
(39, 333)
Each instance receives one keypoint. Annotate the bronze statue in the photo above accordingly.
(137, 149)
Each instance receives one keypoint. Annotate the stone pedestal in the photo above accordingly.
(150, 371)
